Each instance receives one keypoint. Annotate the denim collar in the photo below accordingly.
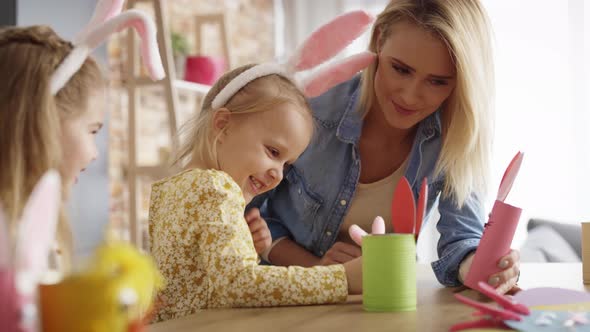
(351, 124)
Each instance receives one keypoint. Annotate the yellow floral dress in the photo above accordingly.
(203, 247)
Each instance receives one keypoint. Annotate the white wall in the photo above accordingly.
(541, 108)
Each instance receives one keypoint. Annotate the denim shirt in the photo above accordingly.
(310, 204)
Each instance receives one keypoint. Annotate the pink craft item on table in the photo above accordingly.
(498, 231)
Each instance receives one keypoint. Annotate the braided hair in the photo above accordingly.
(30, 117)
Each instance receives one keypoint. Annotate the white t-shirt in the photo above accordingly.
(371, 200)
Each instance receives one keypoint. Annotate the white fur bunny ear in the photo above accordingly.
(104, 10)
(322, 45)
(91, 39)
(146, 29)
(36, 232)
(329, 40)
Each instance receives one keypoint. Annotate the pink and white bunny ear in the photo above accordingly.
(329, 40)
(356, 233)
(144, 26)
(36, 232)
(5, 243)
(336, 73)
(104, 10)
(146, 29)
(322, 45)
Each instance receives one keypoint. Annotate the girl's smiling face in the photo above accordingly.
(254, 148)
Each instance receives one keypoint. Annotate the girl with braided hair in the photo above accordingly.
(40, 131)
(52, 106)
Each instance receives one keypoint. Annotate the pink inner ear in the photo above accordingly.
(336, 73)
(149, 50)
(150, 53)
(330, 39)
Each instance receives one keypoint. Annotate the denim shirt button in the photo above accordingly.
(299, 191)
(328, 233)
(321, 252)
(343, 202)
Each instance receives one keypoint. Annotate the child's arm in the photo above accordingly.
(203, 247)
(235, 279)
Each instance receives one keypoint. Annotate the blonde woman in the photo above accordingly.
(423, 109)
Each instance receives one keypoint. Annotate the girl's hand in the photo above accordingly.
(505, 280)
(259, 230)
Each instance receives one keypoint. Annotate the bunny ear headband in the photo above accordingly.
(24, 258)
(322, 45)
(107, 19)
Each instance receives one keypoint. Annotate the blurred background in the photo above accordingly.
(542, 105)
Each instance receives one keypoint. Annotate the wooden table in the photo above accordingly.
(437, 308)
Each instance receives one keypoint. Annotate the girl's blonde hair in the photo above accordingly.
(261, 94)
(467, 115)
(30, 117)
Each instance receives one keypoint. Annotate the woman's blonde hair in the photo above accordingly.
(30, 117)
(467, 115)
(261, 94)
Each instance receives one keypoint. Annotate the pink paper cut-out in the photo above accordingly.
(498, 231)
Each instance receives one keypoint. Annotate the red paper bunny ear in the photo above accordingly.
(105, 22)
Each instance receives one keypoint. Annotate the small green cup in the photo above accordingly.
(389, 272)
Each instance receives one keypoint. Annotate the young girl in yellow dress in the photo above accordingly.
(254, 123)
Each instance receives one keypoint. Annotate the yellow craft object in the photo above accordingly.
(113, 294)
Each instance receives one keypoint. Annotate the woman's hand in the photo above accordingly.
(343, 252)
(340, 253)
(505, 280)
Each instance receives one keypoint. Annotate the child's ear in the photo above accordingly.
(221, 119)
